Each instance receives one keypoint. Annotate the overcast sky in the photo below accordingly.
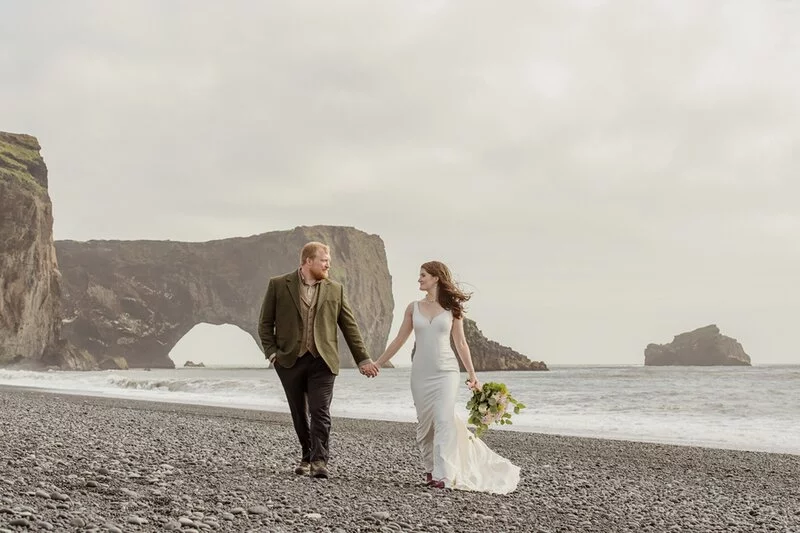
(601, 174)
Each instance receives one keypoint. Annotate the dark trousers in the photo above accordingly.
(309, 391)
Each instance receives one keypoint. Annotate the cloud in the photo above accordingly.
(615, 171)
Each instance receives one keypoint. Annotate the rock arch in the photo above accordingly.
(129, 302)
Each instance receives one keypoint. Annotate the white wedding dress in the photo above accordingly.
(449, 452)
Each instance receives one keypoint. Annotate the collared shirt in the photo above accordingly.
(309, 293)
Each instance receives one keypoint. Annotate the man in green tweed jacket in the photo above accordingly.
(298, 331)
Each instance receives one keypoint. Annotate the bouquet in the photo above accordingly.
(489, 405)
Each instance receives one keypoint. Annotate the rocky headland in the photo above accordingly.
(704, 346)
(134, 300)
(491, 355)
(125, 304)
(30, 282)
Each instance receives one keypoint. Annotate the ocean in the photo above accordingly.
(746, 408)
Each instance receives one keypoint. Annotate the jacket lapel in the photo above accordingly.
(323, 292)
(292, 283)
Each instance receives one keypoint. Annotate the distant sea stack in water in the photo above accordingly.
(488, 355)
(192, 364)
(134, 300)
(30, 283)
(702, 347)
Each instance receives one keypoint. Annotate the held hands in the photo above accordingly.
(369, 369)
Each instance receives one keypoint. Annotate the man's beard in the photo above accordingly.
(319, 274)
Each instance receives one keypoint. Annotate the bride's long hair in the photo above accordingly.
(448, 295)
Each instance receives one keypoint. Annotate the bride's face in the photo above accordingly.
(426, 281)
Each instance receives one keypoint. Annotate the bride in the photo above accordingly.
(452, 457)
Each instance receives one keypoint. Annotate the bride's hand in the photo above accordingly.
(473, 382)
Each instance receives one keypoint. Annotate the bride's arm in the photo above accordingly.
(460, 342)
(402, 336)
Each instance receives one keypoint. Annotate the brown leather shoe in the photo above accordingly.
(303, 469)
(319, 469)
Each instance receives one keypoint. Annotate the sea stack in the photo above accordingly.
(704, 346)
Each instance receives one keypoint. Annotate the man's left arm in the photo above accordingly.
(352, 335)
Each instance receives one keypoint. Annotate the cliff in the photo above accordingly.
(488, 355)
(134, 300)
(701, 347)
(29, 277)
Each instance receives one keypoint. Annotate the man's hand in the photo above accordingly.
(369, 369)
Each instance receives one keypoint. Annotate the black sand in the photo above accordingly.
(77, 463)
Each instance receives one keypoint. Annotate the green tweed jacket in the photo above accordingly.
(280, 326)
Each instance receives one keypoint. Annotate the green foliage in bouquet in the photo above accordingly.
(489, 405)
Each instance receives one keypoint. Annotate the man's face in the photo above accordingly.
(318, 266)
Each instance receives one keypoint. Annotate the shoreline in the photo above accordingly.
(114, 463)
(629, 438)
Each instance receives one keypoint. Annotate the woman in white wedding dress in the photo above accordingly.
(452, 457)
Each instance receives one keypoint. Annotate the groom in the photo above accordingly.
(299, 316)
